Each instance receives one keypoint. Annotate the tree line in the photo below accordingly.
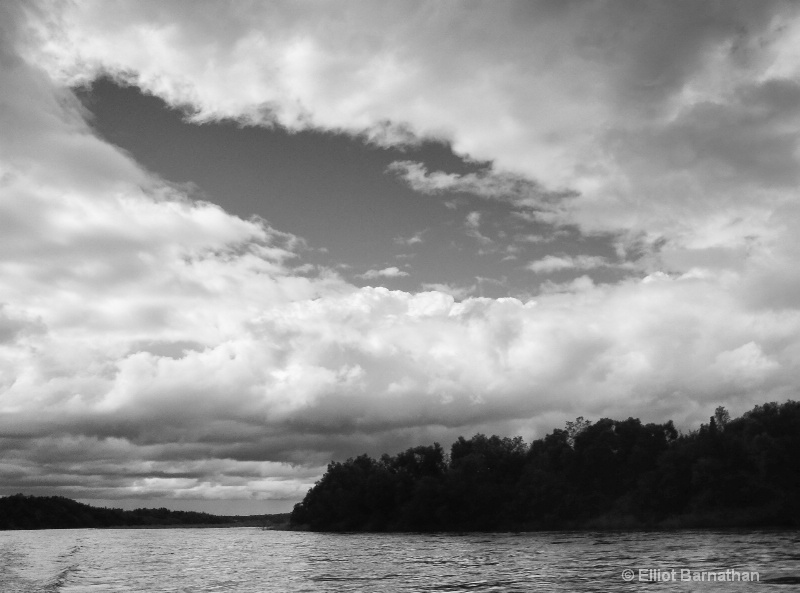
(742, 472)
(57, 512)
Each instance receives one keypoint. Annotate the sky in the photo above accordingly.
(239, 240)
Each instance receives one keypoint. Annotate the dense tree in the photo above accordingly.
(482, 476)
(743, 471)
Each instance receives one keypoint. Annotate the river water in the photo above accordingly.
(252, 560)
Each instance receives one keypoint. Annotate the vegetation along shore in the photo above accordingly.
(610, 474)
(57, 512)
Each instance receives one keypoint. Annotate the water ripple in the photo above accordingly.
(250, 560)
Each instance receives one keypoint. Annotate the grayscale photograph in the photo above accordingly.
(394, 296)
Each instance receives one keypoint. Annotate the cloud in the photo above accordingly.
(115, 284)
(473, 220)
(391, 272)
(487, 184)
(579, 284)
(553, 263)
(418, 360)
(154, 345)
(457, 292)
(414, 239)
(473, 226)
(649, 116)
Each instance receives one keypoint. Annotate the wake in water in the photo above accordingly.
(37, 568)
(250, 560)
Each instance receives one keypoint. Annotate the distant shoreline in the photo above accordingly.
(21, 512)
(280, 522)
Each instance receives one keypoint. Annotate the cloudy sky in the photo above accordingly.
(241, 239)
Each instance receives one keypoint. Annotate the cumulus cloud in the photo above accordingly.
(526, 359)
(457, 292)
(390, 272)
(113, 281)
(154, 345)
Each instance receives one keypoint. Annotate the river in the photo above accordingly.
(252, 560)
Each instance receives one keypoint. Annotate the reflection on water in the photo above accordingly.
(203, 560)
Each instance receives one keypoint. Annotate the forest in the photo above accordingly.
(608, 474)
(57, 512)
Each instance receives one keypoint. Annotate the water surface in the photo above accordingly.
(252, 560)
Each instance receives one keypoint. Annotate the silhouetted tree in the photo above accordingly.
(743, 471)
